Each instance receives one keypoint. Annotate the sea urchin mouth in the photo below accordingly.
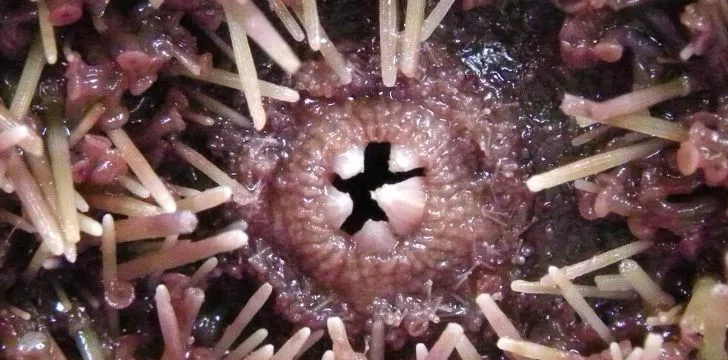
(393, 205)
(377, 197)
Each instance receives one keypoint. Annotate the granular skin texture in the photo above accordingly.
(470, 149)
(481, 115)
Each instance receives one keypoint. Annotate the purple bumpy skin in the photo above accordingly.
(444, 204)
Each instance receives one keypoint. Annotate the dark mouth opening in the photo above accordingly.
(359, 187)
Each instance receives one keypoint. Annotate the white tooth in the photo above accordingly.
(404, 204)
(374, 238)
(350, 163)
(338, 206)
(401, 158)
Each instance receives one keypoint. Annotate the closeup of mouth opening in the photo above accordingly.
(360, 186)
(371, 180)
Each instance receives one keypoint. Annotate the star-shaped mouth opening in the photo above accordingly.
(376, 181)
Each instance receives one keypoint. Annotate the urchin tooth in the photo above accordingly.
(349, 163)
(404, 204)
(338, 206)
(401, 159)
(374, 238)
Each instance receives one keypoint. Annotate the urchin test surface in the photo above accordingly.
(451, 224)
